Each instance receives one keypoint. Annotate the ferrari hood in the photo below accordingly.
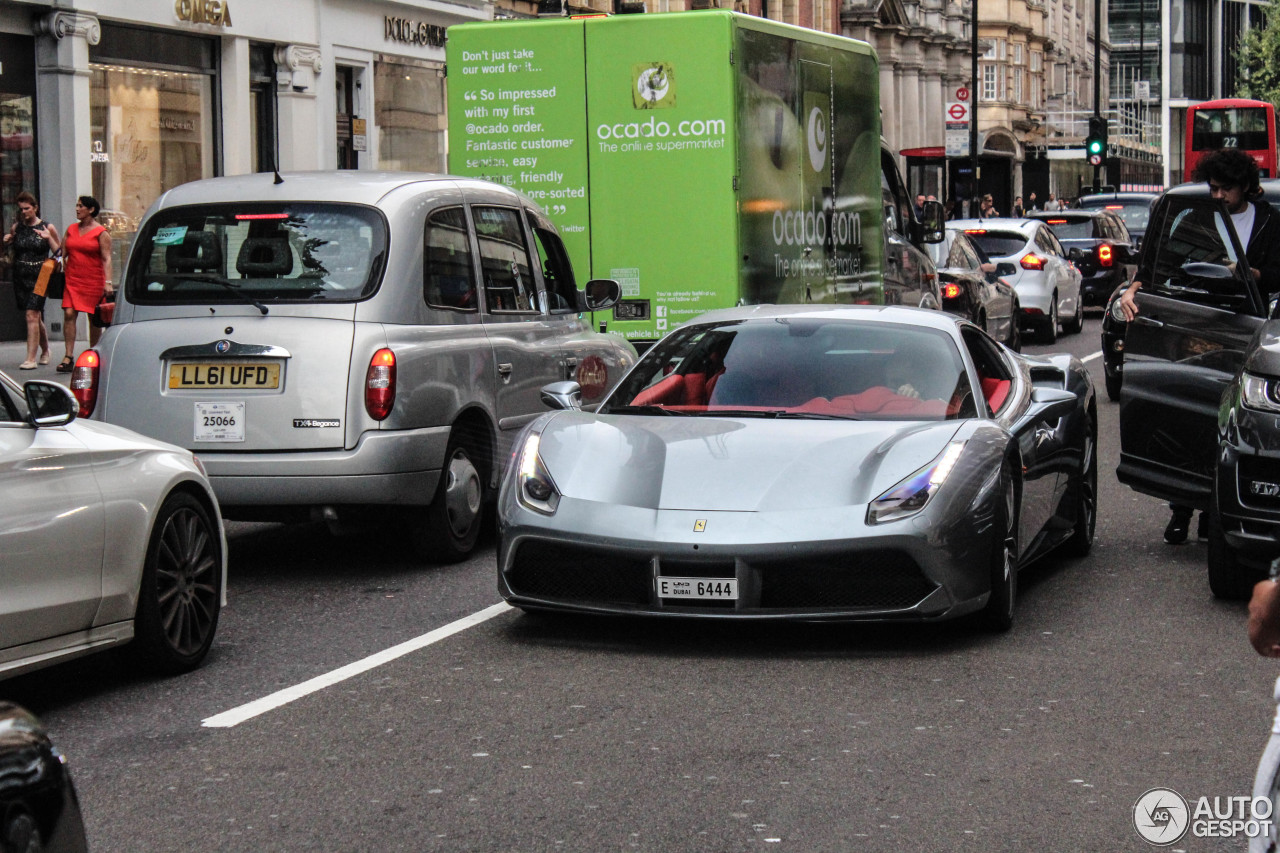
(733, 464)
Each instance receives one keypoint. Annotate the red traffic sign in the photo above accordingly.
(962, 94)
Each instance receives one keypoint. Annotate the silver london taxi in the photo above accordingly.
(347, 345)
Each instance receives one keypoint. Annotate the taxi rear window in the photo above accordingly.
(312, 252)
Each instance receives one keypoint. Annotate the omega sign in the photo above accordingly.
(217, 12)
(413, 32)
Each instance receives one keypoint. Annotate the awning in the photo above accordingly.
(936, 152)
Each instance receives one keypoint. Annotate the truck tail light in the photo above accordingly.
(950, 291)
(380, 384)
(84, 381)
(1105, 258)
(1032, 261)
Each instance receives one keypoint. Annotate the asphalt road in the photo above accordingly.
(531, 733)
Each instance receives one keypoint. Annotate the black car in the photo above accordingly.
(1133, 208)
(972, 287)
(1099, 244)
(1200, 402)
(38, 805)
(1113, 321)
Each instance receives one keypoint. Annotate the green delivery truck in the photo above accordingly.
(701, 159)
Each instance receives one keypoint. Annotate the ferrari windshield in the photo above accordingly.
(296, 252)
(799, 367)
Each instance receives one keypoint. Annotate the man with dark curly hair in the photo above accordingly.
(1232, 176)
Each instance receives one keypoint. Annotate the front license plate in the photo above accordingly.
(219, 421)
(196, 374)
(717, 589)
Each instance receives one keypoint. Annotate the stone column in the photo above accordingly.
(302, 140)
(63, 132)
(62, 104)
(237, 144)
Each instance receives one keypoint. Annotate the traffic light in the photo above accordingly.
(1095, 144)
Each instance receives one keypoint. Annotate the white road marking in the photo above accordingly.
(1097, 354)
(236, 716)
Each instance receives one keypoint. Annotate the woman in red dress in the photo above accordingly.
(86, 252)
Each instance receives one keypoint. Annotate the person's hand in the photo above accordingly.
(907, 390)
(43, 233)
(109, 287)
(1127, 303)
(1264, 619)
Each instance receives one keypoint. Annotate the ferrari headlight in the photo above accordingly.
(910, 496)
(537, 490)
(1259, 393)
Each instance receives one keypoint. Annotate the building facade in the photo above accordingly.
(124, 99)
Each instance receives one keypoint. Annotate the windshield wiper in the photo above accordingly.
(224, 282)
(643, 410)
(817, 416)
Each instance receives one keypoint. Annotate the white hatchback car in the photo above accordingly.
(1048, 284)
(105, 537)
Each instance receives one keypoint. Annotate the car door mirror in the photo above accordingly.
(49, 403)
(600, 294)
(1075, 254)
(565, 396)
(1004, 268)
(933, 222)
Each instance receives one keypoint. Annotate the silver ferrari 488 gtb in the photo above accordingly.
(804, 463)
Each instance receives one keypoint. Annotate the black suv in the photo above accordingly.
(1200, 403)
(1113, 322)
(1099, 244)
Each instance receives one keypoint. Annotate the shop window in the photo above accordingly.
(151, 130)
(409, 112)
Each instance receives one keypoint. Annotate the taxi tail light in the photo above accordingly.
(380, 384)
(950, 291)
(84, 381)
(1032, 262)
(1105, 257)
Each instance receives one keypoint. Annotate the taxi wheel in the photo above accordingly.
(457, 512)
(998, 613)
(181, 590)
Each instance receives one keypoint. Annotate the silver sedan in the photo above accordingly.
(106, 537)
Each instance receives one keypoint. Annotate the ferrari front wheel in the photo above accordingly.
(1085, 494)
(998, 614)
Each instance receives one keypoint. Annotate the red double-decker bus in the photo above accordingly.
(1232, 123)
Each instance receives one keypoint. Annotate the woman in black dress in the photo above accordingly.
(32, 240)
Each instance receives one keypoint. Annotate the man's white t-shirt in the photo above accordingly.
(1243, 223)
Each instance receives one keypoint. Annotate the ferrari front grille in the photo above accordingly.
(878, 579)
(578, 573)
